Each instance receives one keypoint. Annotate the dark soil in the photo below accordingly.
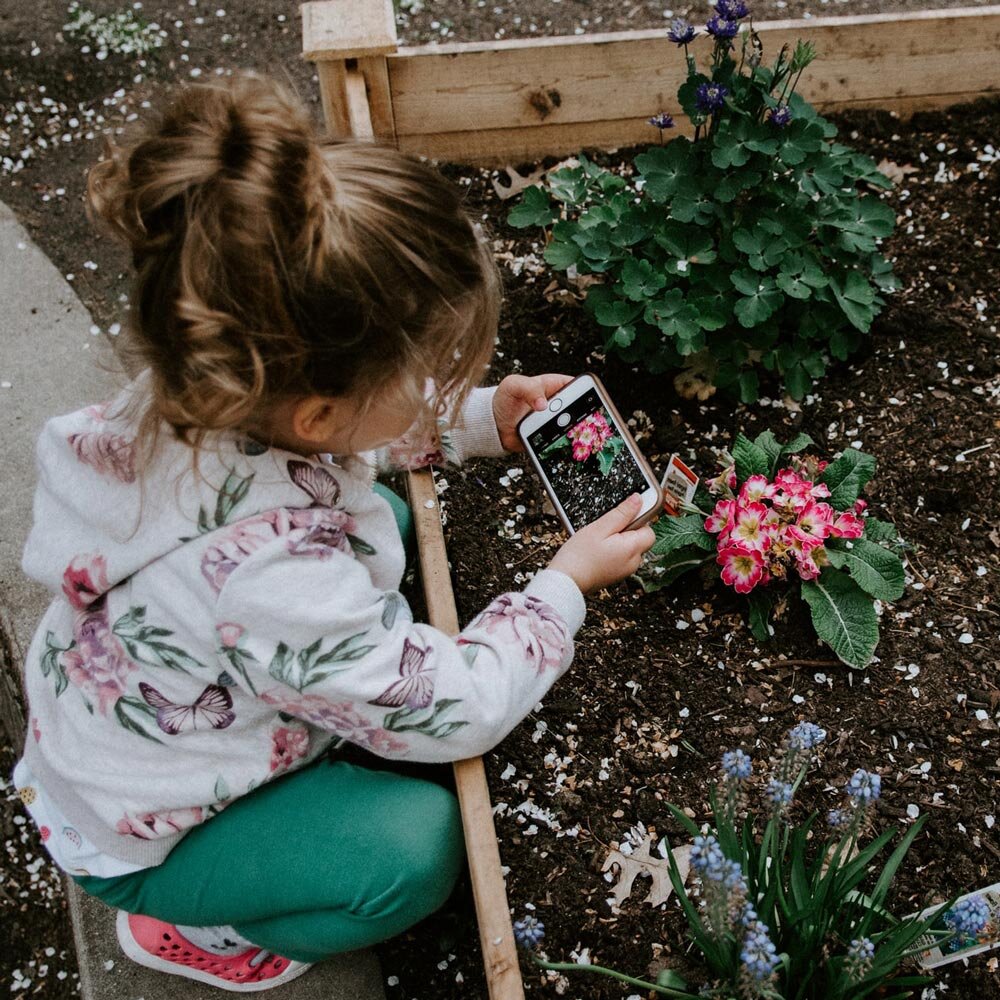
(649, 705)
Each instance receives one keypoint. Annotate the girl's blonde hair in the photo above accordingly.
(269, 265)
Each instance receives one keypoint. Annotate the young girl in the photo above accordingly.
(226, 569)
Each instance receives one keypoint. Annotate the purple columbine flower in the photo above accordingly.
(681, 31)
(968, 916)
(736, 765)
(711, 96)
(722, 27)
(731, 10)
(781, 116)
(661, 121)
(529, 932)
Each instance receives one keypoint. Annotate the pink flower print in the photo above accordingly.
(110, 454)
(339, 717)
(288, 744)
(35, 731)
(97, 663)
(85, 580)
(44, 832)
(153, 825)
(313, 531)
(229, 634)
(532, 624)
(407, 453)
(742, 568)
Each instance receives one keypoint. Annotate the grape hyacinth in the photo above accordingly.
(863, 788)
(681, 32)
(858, 962)
(737, 765)
(779, 793)
(661, 121)
(758, 956)
(967, 918)
(805, 736)
(711, 96)
(529, 932)
(837, 818)
(722, 28)
(781, 116)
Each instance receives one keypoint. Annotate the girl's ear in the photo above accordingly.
(316, 418)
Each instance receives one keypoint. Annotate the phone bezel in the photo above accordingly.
(652, 496)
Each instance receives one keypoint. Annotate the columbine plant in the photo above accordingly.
(786, 910)
(773, 520)
(751, 246)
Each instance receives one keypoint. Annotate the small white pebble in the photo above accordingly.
(680, 624)
(697, 615)
(965, 638)
(109, 965)
(429, 504)
(392, 981)
(912, 811)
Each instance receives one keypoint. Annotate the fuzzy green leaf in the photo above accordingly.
(751, 460)
(843, 616)
(877, 571)
(662, 571)
(846, 476)
(673, 533)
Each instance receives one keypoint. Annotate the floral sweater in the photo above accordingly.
(213, 630)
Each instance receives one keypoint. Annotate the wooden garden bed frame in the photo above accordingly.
(500, 103)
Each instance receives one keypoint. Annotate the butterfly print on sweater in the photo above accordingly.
(415, 687)
(318, 483)
(213, 706)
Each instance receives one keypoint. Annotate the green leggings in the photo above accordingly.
(327, 859)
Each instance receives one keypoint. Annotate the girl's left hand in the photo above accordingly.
(519, 395)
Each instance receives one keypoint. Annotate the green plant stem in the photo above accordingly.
(601, 970)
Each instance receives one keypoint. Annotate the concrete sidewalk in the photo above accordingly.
(49, 365)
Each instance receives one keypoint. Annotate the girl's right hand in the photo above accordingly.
(604, 552)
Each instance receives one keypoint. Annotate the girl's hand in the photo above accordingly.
(604, 552)
(519, 395)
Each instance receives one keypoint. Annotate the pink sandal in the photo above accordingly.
(158, 945)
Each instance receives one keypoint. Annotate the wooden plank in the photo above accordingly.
(499, 147)
(496, 935)
(357, 105)
(347, 29)
(333, 94)
(543, 83)
(376, 74)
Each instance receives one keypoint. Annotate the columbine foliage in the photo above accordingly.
(788, 910)
(779, 520)
(751, 245)
(123, 33)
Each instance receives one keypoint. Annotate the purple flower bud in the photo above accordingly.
(864, 787)
(681, 32)
(758, 955)
(722, 27)
(736, 765)
(711, 96)
(731, 10)
(805, 736)
(661, 121)
(529, 932)
(781, 116)
(779, 793)
(968, 916)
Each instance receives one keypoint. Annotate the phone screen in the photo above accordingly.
(586, 460)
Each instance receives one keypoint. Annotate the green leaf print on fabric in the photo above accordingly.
(401, 721)
(122, 707)
(231, 494)
(393, 602)
(145, 643)
(311, 665)
(52, 664)
(237, 656)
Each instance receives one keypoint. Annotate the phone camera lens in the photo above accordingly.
(563, 419)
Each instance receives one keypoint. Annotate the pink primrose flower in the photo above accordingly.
(848, 525)
(722, 518)
(110, 454)
(588, 436)
(860, 506)
(85, 580)
(755, 489)
(742, 568)
(750, 527)
(815, 520)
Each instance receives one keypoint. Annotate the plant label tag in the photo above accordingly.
(935, 953)
(678, 484)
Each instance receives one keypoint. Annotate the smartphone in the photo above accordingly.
(586, 457)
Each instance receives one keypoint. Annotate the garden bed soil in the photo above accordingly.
(650, 704)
